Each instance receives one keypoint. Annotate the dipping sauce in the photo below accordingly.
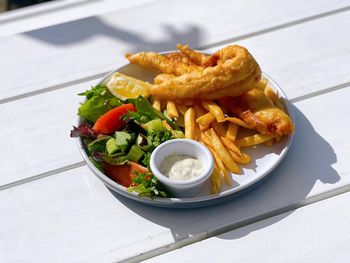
(181, 167)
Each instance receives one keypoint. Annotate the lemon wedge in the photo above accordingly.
(126, 87)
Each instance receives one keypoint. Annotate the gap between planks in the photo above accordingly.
(212, 45)
(52, 88)
(42, 175)
(321, 92)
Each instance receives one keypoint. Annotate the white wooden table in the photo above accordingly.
(53, 209)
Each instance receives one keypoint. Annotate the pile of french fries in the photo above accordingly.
(206, 122)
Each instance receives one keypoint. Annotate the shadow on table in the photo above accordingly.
(77, 31)
(309, 160)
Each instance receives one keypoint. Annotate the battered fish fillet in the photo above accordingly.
(198, 58)
(255, 108)
(236, 65)
(228, 72)
(176, 57)
(189, 56)
(162, 63)
(235, 89)
(163, 77)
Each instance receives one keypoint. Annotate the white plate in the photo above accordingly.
(264, 160)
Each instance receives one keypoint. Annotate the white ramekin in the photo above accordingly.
(188, 147)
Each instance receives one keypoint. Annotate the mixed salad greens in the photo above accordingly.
(120, 136)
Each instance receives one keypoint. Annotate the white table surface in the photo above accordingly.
(310, 234)
(54, 209)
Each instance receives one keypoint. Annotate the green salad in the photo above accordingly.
(119, 137)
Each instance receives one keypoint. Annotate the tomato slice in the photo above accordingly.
(138, 167)
(110, 121)
(119, 173)
(122, 174)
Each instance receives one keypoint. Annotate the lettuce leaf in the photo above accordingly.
(122, 140)
(83, 130)
(145, 109)
(98, 145)
(113, 159)
(146, 184)
(98, 101)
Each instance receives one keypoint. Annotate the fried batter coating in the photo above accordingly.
(162, 63)
(163, 77)
(189, 74)
(255, 108)
(235, 89)
(179, 57)
(174, 57)
(198, 58)
(235, 65)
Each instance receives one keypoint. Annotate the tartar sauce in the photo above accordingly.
(181, 167)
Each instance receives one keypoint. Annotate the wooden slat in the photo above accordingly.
(91, 46)
(316, 233)
(35, 138)
(52, 121)
(73, 216)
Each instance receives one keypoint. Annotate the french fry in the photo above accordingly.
(226, 176)
(215, 181)
(231, 132)
(262, 84)
(205, 120)
(220, 149)
(206, 140)
(217, 159)
(157, 104)
(171, 109)
(272, 95)
(200, 112)
(219, 128)
(197, 132)
(221, 166)
(181, 108)
(253, 140)
(239, 122)
(241, 159)
(190, 123)
(230, 145)
(237, 155)
(214, 109)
